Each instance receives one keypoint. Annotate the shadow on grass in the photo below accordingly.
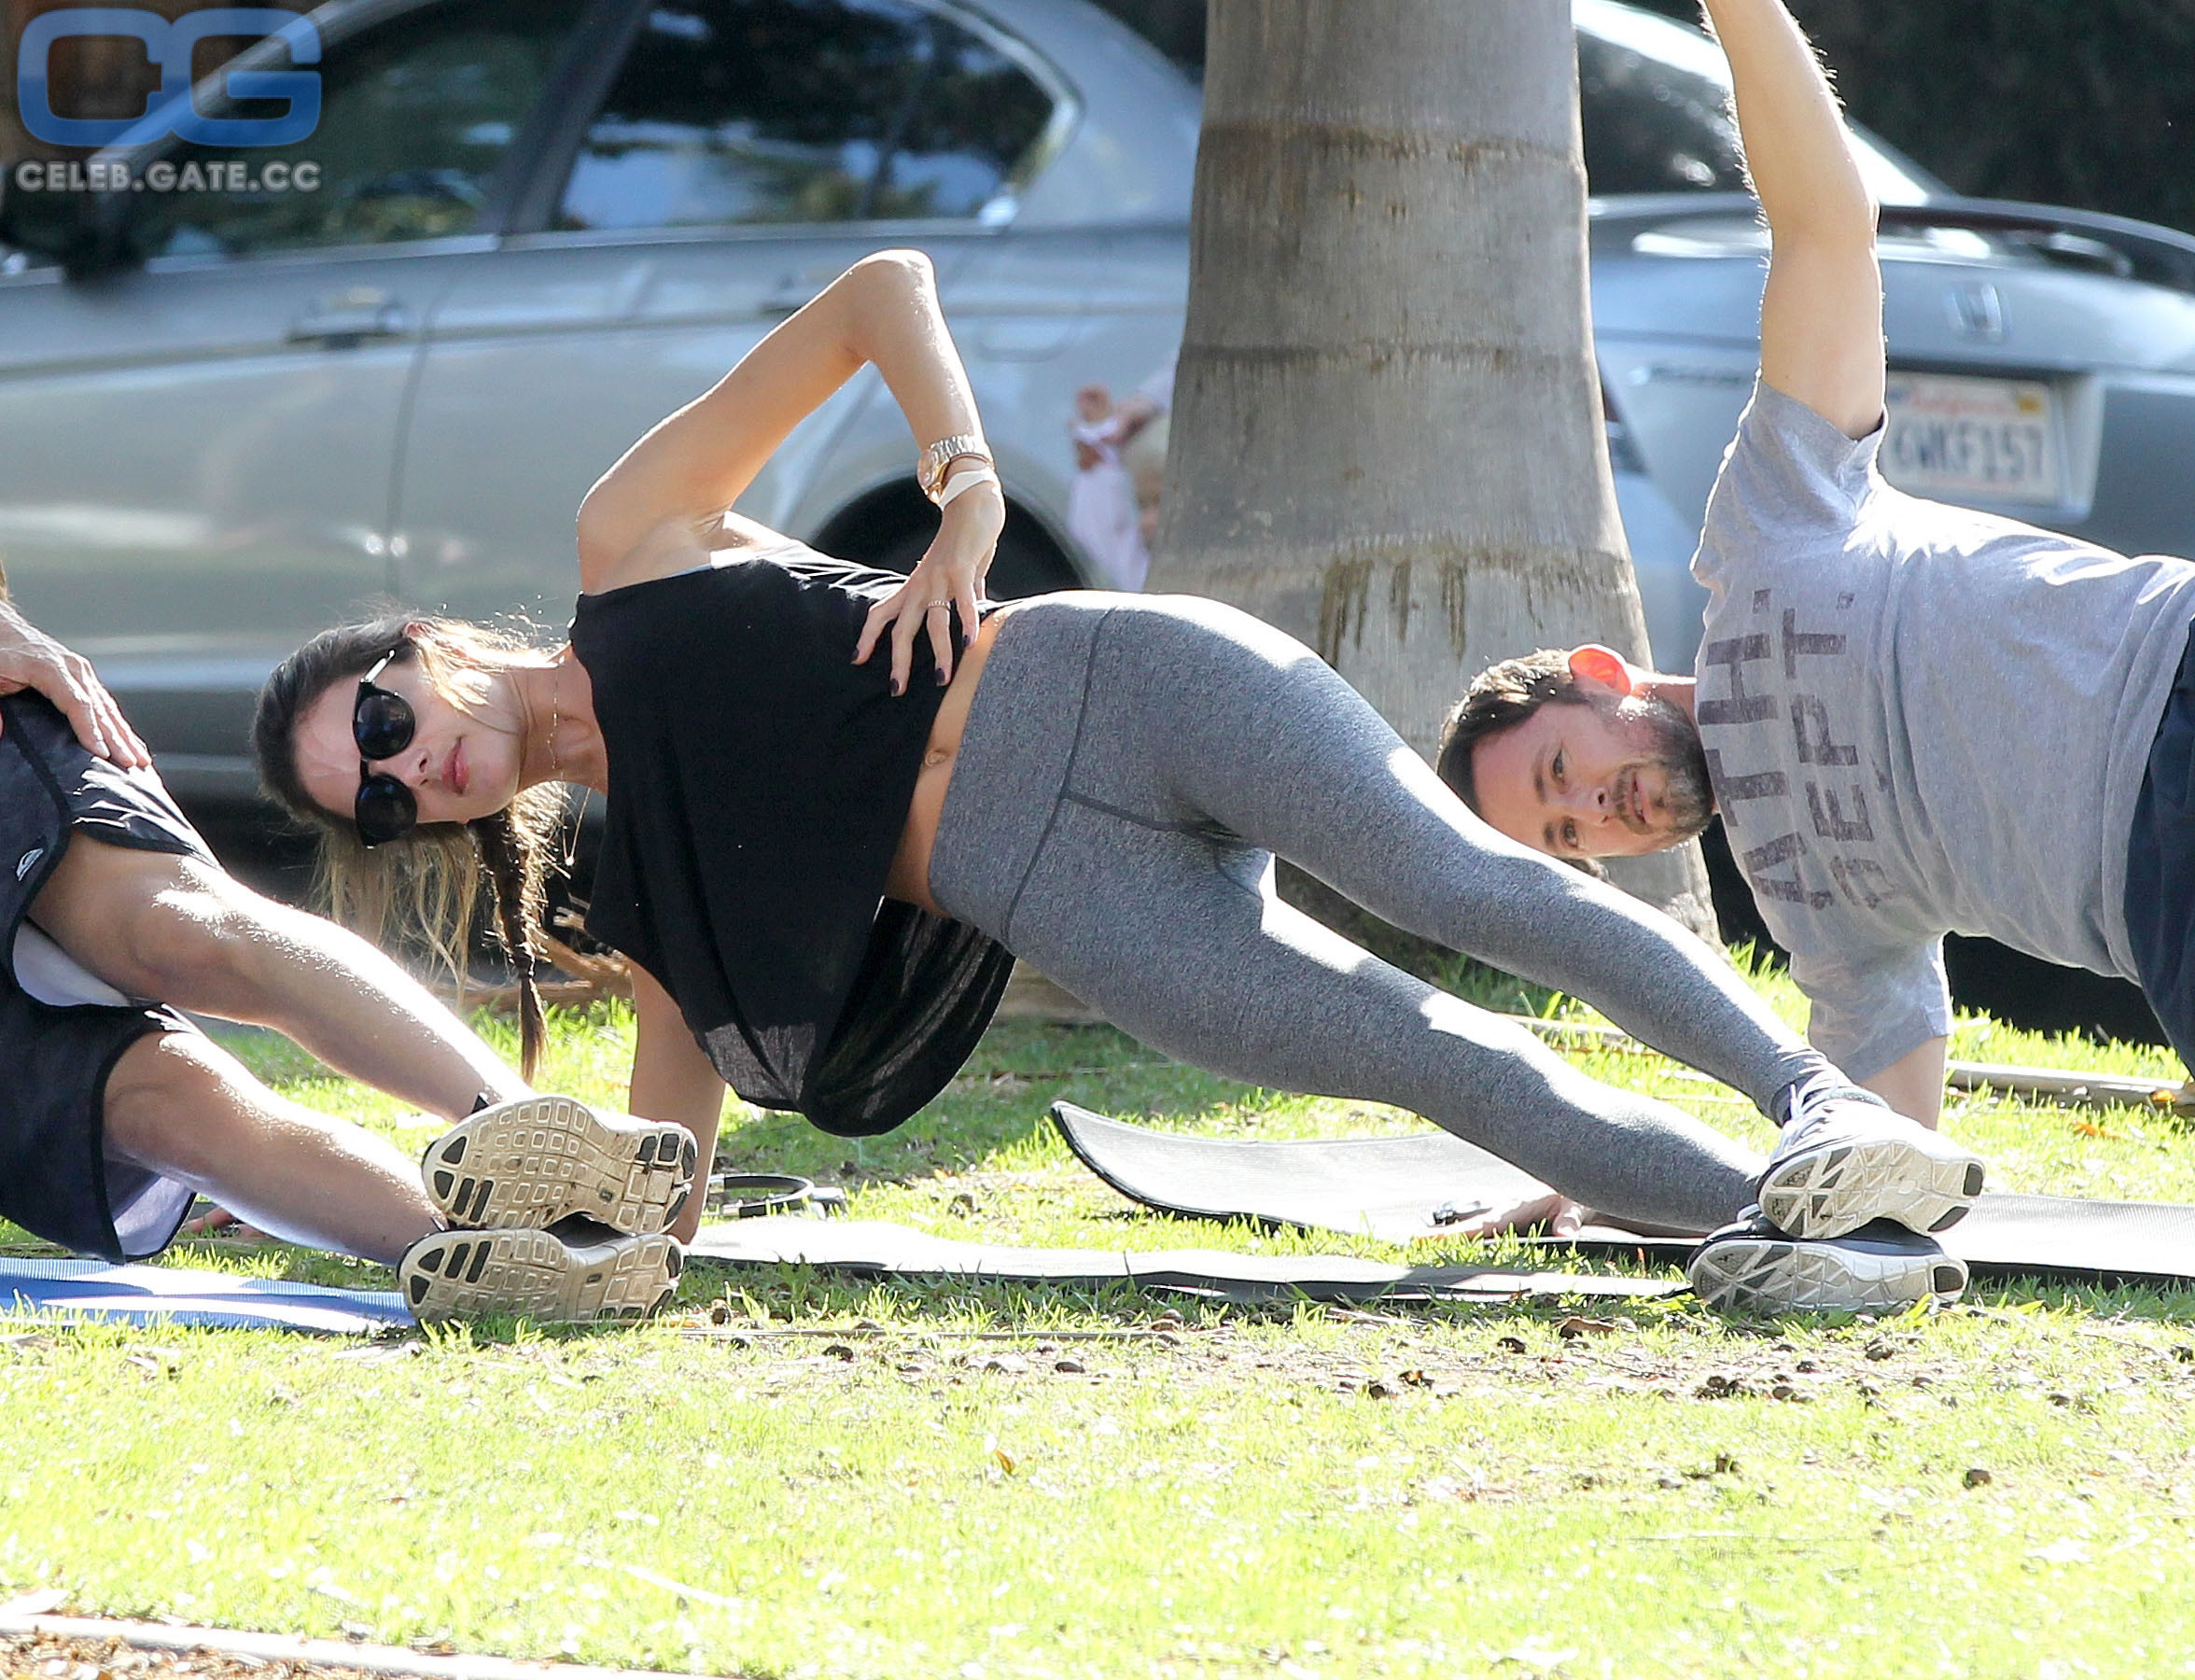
(996, 1101)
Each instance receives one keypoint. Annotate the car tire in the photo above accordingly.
(1027, 563)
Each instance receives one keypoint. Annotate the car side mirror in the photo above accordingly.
(74, 229)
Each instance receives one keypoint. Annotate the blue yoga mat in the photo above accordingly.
(167, 1295)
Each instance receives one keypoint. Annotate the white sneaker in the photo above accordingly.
(1846, 1158)
(1752, 1266)
(537, 1275)
(537, 1159)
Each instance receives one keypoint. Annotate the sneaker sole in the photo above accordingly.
(532, 1274)
(1840, 1187)
(1775, 1274)
(532, 1162)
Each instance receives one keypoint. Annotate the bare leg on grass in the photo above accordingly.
(183, 1106)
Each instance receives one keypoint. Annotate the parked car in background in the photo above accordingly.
(540, 226)
(233, 416)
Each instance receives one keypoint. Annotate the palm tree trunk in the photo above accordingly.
(1388, 436)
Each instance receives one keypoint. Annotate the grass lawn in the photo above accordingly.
(785, 1476)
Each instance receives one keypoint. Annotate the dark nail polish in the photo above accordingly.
(897, 687)
(944, 677)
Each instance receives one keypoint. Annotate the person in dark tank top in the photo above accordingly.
(840, 802)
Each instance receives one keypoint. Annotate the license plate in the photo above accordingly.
(1973, 440)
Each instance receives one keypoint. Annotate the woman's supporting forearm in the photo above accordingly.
(672, 1079)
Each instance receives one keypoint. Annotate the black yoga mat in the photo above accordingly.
(1401, 1189)
(869, 1249)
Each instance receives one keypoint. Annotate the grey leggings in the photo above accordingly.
(1130, 768)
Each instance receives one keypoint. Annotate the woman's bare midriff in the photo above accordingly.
(910, 870)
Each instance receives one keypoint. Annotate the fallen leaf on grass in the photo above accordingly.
(1571, 1328)
(2090, 1128)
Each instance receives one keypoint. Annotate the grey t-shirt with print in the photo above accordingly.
(1918, 719)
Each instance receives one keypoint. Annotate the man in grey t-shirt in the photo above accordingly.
(1914, 719)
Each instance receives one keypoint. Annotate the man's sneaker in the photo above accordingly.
(1752, 1266)
(537, 1275)
(539, 1159)
(1845, 1159)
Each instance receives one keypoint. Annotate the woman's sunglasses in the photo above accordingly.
(381, 724)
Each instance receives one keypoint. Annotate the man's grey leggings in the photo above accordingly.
(1131, 765)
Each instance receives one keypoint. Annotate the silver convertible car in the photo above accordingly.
(236, 406)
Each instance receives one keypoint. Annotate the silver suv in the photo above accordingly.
(540, 226)
(234, 410)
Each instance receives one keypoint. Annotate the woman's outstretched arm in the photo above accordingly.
(695, 464)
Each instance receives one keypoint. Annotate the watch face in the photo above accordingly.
(931, 470)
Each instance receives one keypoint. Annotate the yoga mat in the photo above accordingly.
(1395, 1189)
(871, 1249)
(167, 1295)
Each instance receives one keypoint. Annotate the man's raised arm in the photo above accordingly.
(1822, 313)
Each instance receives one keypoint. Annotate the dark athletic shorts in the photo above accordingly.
(57, 1179)
(2160, 867)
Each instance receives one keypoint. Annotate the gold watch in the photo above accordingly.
(929, 471)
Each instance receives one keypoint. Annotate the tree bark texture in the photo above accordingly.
(1388, 436)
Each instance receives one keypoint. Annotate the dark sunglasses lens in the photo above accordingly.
(385, 810)
(381, 723)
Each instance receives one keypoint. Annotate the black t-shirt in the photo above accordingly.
(759, 783)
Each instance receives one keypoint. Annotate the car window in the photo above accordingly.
(1651, 127)
(784, 111)
(975, 118)
(416, 118)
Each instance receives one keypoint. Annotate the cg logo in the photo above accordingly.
(169, 46)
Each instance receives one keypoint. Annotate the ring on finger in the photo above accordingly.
(934, 606)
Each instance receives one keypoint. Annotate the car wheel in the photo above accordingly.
(1026, 562)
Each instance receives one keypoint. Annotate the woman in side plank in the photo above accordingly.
(838, 799)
